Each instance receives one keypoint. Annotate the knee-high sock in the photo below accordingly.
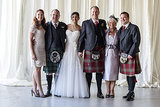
(89, 78)
(99, 77)
(132, 82)
(128, 82)
(49, 82)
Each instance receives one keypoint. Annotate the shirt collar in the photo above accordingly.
(94, 21)
(126, 25)
(55, 23)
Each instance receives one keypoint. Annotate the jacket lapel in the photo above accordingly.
(125, 32)
(51, 30)
(100, 28)
(60, 33)
(50, 25)
(92, 25)
(49, 36)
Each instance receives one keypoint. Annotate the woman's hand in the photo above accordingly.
(34, 57)
(33, 42)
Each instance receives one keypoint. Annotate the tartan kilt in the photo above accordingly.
(50, 66)
(90, 65)
(131, 67)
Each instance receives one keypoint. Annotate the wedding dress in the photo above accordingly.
(71, 81)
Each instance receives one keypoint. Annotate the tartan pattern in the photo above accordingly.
(90, 65)
(50, 66)
(131, 67)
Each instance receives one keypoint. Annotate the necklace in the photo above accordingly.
(74, 27)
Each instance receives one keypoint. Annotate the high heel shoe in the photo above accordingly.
(38, 92)
(112, 96)
(35, 94)
(42, 96)
(107, 95)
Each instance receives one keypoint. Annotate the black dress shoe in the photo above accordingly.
(100, 95)
(130, 99)
(48, 94)
(130, 96)
(126, 95)
(57, 95)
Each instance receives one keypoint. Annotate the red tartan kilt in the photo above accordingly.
(90, 65)
(131, 67)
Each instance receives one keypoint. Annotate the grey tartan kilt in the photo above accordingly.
(50, 66)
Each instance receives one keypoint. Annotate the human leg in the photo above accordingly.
(34, 82)
(132, 82)
(34, 90)
(99, 77)
(39, 81)
(112, 88)
(108, 88)
(127, 78)
(89, 78)
(49, 77)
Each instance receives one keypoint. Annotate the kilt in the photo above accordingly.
(90, 65)
(50, 66)
(131, 67)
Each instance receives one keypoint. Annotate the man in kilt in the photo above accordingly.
(55, 45)
(129, 41)
(92, 41)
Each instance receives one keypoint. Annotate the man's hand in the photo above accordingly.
(80, 54)
(130, 57)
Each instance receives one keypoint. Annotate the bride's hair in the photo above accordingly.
(74, 14)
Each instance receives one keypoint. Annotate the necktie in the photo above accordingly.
(55, 25)
(123, 28)
(96, 23)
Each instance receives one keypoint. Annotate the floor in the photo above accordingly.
(21, 97)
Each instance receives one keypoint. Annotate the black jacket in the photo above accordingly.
(129, 39)
(59, 33)
(88, 34)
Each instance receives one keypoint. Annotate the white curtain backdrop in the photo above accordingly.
(16, 17)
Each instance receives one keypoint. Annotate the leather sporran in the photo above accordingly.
(123, 58)
(95, 55)
(55, 57)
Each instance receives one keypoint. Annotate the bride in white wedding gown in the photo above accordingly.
(71, 81)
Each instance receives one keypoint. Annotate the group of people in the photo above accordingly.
(72, 53)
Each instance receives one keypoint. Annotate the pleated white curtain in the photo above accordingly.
(16, 17)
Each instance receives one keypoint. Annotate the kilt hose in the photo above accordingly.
(90, 65)
(131, 67)
(50, 66)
